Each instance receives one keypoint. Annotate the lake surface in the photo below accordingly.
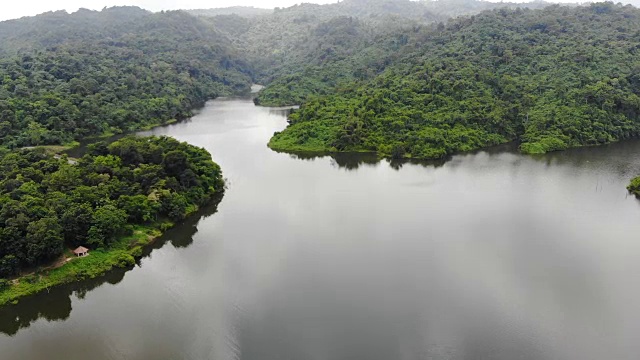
(490, 255)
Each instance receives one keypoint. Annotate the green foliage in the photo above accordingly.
(544, 145)
(106, 73)
(46, 202)
(9, 265)
(107, 223)
(334, 53)
(76, 222)
(54, 28)
(139, 208)
(552, 79)
(634, 186)
(43, 239)
(174, 205)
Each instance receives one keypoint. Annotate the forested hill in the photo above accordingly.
(552, 79)
(55, 28)
(311, 49)
(287, 35)
(68, 76)
(393, 76)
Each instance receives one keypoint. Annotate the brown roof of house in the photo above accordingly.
(80, 250)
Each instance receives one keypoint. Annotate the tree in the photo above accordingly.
(108, 221)
(175, 162)
(44, 240)
(76, 222)
(138, 207)
(66, 178)
(175, 206)
(9, 266)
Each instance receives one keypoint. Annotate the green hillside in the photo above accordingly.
(144, 69)
(551, 79)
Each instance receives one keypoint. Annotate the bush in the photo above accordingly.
(124, 260)
(136, 252)
(30, 279)
(544, 145)
(634, 186)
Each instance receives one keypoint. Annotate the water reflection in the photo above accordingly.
(613, 155)
(353, 161)
(55, 304)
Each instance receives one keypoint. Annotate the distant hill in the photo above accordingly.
(311, 49)
(244, 11)
(455, 8)
(53, 28)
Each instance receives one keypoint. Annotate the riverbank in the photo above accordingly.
(121, 255)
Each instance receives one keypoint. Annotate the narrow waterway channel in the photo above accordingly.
(490, 255)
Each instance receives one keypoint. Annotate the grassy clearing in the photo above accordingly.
(55, 149)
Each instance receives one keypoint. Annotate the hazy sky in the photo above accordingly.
(11, 9)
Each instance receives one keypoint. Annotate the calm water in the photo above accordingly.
(491, 255)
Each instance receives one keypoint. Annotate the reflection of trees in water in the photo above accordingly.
(55, 305)
(181, 235)
(619, 158)
(282, 111)
(398, 164)
(616, 157)
(353, 161)
(348, 161)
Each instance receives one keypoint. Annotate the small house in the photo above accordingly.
(81, 251)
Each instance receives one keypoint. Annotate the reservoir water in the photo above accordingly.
(488, 255)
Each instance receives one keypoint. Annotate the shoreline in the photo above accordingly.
(125, 252)
(122, 254)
